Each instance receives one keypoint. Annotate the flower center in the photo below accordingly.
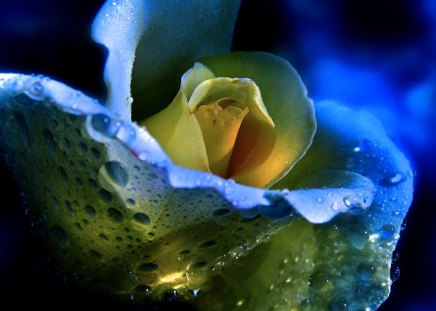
(220, 122)
(219, 125)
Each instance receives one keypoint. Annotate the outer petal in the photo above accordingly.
(116, 211)
(154, 42)
(341, 265)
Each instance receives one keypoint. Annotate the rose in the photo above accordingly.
(238, 128)
(123, 218)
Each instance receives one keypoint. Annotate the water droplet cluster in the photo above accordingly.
(113, 214)
(127, 229)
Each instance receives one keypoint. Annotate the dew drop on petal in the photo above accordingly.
(393, 180)
(365, 271)
(24, 100)
(35, 91)
(354, 206)
(363, 146)
(115, 214)
(395, 273)
(170, 295)
(126, 134)
(90, 210)
(148, 267)
(142, 289)
(104, 125)
(358, 239)
(339, 304)
(59, 236)
(50, 142)
(142, 218)
(116, 172)
(387, 232)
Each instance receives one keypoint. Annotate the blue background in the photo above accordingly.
(378, 55)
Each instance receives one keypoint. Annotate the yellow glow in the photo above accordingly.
(172, 277)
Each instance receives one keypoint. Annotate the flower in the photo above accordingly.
(123, 218)
(257, 143)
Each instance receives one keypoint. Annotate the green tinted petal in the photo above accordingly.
(154, 42)
(343, 263)
(115, 211)
(284, 96)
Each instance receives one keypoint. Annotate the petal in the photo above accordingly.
(253, 139)
(284, 96)
(179, 134)
(153, 42)
(219, 128)
(116, 212)
(343, 263)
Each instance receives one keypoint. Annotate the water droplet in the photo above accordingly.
(387, 232)
(59, 236)
(207, 244)
(113, 172)
(393, 180)
(147, 267)
(221, 212)
(195, 292)
(278, 208)
(24, 100)
(142, 218)
(357, 307)
(131, 202)
(50, 142)
(185, 252)
(305, 303)
(365, 271)
(354, 206)
(69, 209)
(115, 215)
(103, 236)
(364, 146)
(358, 239)
(170, 295)
(142, 289)
(318, 279)
(105, 195)
(63, 175)
(395, 273)
(94, 253)
(35, 91)
(95, 153)
(83, 147)
(338, 305)
(22, 126)
(103, 124)
(198, 265)
(126, 134)
(90, 210)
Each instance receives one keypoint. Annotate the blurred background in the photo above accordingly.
(377, 55)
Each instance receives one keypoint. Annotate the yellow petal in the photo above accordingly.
(252, 139)
(178, 132)
(220, 128)
(285, 97)
(193, 77)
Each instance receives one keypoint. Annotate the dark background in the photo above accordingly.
(373, 54)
